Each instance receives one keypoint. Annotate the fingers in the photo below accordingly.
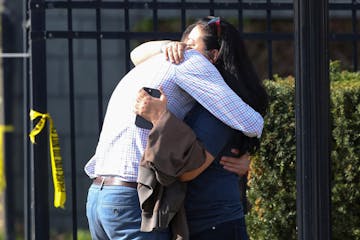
(167, 54)
(150, 108)
(142, 93)
(138, 108)
(180, 51)
(174, 52)
(142, 96)
(237, 168)
(244, 157)
(239, 165)
(163, 97)
(141, 101)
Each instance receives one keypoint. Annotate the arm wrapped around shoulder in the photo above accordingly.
(147, 50)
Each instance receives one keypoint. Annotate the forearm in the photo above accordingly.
(205, 84)
(146, 50)
(188, 176)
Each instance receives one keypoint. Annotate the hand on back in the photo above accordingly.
(239, 165)
(174, 51)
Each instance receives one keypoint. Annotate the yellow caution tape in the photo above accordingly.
(3, 129)
(56, 160)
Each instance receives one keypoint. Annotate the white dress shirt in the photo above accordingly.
(121, 143)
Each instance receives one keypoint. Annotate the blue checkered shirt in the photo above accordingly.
(121, 143)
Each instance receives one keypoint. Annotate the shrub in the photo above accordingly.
(272, 186)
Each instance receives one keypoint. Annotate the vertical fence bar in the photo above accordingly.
(72, 125)
(99, 66)
(183, 16)
(354, 30)
(127, 30)
(39, 173)
(241, 17)
(26, 126)
(8, 37)
(269, 41)
(312, 119)
(211, 9)
(243, 179)
(155, 16)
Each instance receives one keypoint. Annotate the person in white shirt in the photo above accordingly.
(112, 207)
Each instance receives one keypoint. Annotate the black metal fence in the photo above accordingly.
(62, 80)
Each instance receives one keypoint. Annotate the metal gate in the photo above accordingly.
(79, 50)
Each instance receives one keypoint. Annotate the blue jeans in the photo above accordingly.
(114, 212)
(232, 230)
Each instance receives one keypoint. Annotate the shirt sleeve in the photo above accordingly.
(200, 78)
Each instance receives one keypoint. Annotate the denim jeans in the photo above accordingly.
(232, 230)
(114, 212)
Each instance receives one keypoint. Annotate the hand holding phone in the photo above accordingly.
(140, 121)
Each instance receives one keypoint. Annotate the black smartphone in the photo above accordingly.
(140, 121)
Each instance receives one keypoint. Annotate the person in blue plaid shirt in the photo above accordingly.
(112, 206)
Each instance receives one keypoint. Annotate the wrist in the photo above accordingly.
(158, 116)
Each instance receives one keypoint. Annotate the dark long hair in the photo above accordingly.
(235, 66)
(234, 63)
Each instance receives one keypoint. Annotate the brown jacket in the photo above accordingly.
(172, 150)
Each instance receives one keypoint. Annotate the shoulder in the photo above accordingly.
(155, 62)
(194, 58)
(201, 119)
(192, 53)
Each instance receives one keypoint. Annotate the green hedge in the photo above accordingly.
(272, 186)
